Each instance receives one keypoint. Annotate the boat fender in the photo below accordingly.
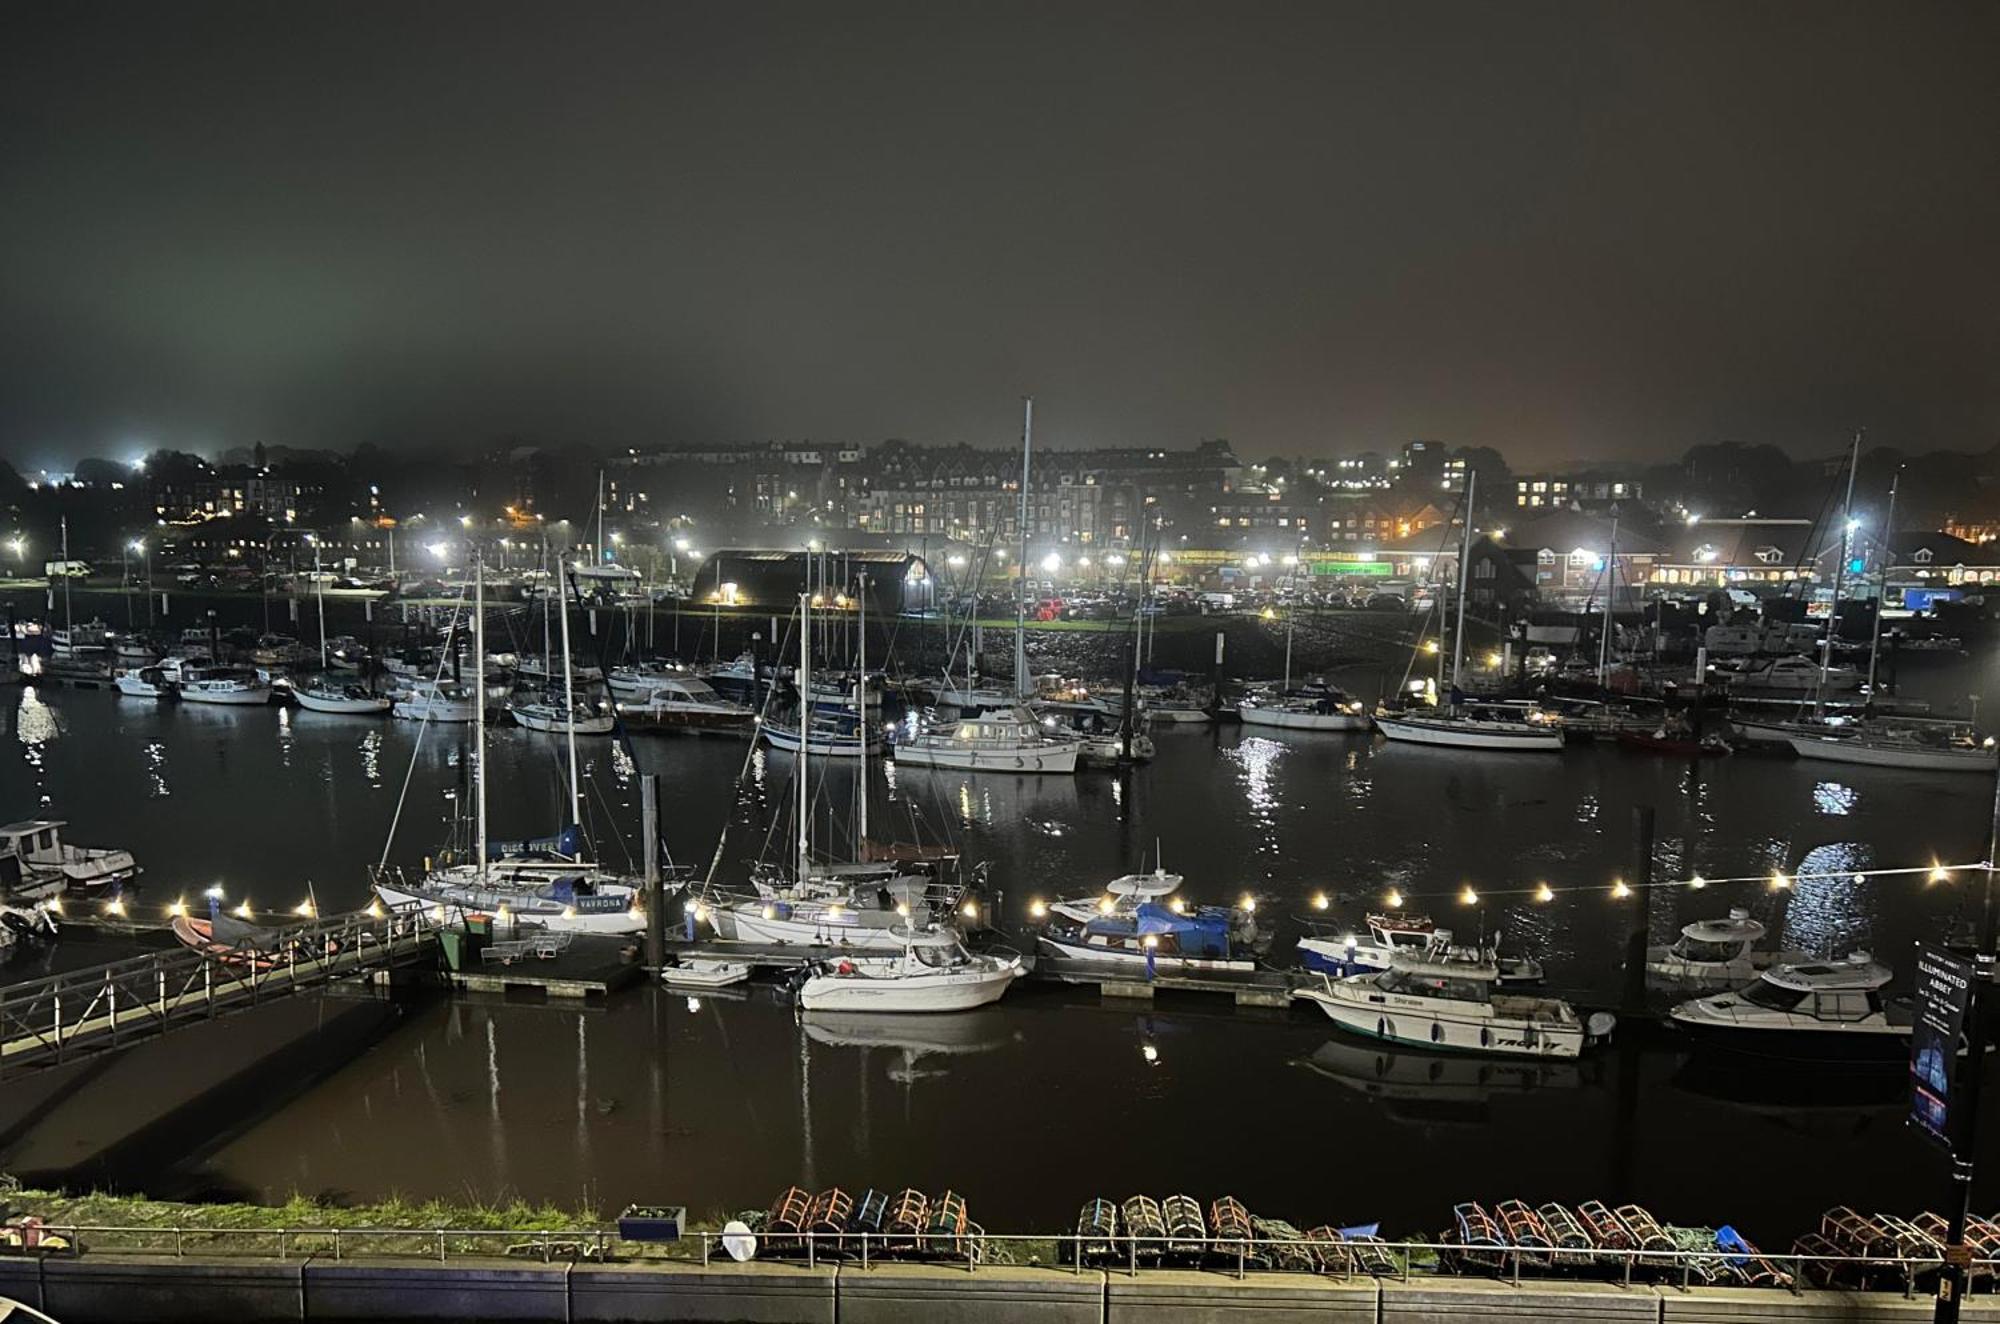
(1599, 1024)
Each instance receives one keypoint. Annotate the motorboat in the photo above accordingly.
(222, 685)
(1387, 936)
(548, 671)
(557, 895)
(835, 905)
(1674, 743)
(932, 973)
(1010, 740)
(1098, 729)
(1450, 999)
(143, 683)
(638, 682)
(136, 649)
(89, 637)
(1312, 708)
(1172, 937)
(741, 679)
(1808, 1010)
(1498, 727)
(700, 972)
(435, 701)
(1715, 953)
(1798, 674)
(542, 715)
(831, 735)
(1121, 896)
(1886, 743)
(37, 843)
(279, 650)
(346, 653)
(686, 702)
(1174, 705)
(324, 696)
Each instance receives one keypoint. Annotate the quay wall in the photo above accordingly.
(138, 1289)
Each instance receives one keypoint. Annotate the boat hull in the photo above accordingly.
(1853, 750)
(788, 741)
(422, 710)
(1171, 964)
(750, 924)
(1882, 1046)
(598, 724)
(248, 696)
(1283, 720)
(1445, 1030)
(347, 705)
(1052, 759)
(1457, 735)
(525, 914)
(955, 991)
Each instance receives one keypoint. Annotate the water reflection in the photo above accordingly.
(1833, 799)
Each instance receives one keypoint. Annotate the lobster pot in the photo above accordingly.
(1571, 1240)
(903, 1229)
(1856, 1234)
(1980, 1234)
(1606, 1228)
(828, 1217)
(1372, 1257)
(1285, 1247)
(788, 1216)
(869, 1213)
(1187, 1234)
(1145, 1225)
(1646, 1229)
(1908, 1241)
(1817, 1272)
(946, 1223)
(1523, 1226)
(1229, 1225)
(1331, 1247)
(1097, 1229)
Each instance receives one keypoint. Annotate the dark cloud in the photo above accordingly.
(1559, 229)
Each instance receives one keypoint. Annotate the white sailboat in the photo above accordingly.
(323, 696)
(577, 718)
(222, 685)
(436, 701)
(1318, 708)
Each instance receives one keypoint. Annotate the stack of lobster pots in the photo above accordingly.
(1178, 1232)
(1517, 1237)
(1883, 1250)
(906, 1224)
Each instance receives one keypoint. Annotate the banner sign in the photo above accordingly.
(1943, 994)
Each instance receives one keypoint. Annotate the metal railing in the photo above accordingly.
(1347, 1261)
(59, 1017)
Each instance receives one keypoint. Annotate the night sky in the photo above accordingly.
(1599, 229)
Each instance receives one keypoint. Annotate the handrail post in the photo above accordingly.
(1240, 1248)
(180, 1245)
(336, 1245)
(812, 1247)
(440, 1245)
(864, 1250)
(704, 1250)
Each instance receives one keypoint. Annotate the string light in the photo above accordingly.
(1778, 881)
(1939, 874)
(1545, 893)
(1468, 897)
(1319, 901)
(1178, 906)
(1104, 905)
(177, 909)
(1038, 909)
(970, 909)
(1618, 889)
(1697, 882)
(1395, 899)
(243, 911)
(1249, 904)
(115, 906)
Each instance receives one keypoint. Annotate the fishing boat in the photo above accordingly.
(39, 846)
(222, 685)
(1806, 1010)
(1673, 743)
(1715, 953)
(698, 972)
(555, 718)
(435, 701)
(1450, 999)
(931, 973)
(1005, 741)
(324, 696)
(1887, 743)
(91, 637)
(143, 683)
(683, 701)
(1389, 935)
(1171, 937)
(832, 735)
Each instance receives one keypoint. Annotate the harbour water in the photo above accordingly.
(1052, 1096)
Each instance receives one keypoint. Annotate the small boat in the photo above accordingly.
(1122, 896)
(322, 696)
(1351, 954)
(1495, 727)
(639, 682)
(143, 682)
(39, 846)
(1173, 937)
(1715, 952)
(832, 735)
(933, 972)
(232, 686)
(1449, 999)
(558, 719)
(1010, 740)
(70, 640)
(435, 701)
(346, 653)
(279, 650)
(1809, 1010)
(238, 942)
(703, 973)
(852, 905)
(1796, 674)
(1672, 744)
(1312, 708)
(556, 895)
(137, 649)
(1928, 747)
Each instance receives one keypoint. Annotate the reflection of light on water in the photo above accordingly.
(34, 726)
(1586, 809)
(371, 758)
(1257, 758)
(156, 770)
(965, 803)
(622, 767)
(1118, 792)
(1833, 799)
(285, 734)
(1830, 916)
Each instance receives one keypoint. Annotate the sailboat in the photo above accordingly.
(553, 890)
(1317, 707)
(1489, 726)
(322, 694)
(563, 714)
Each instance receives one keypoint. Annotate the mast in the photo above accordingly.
(1882, 584)
(805, 733)
(68, 626)
(479, 701)
(1288, 651)
(1610, 596)
(569, 705)
(1839, 578)
(1021, 568)
(1464, 569)
(319, 582)
(861, 704)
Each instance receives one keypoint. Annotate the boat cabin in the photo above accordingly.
(1714, 941)
(1849, 990)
